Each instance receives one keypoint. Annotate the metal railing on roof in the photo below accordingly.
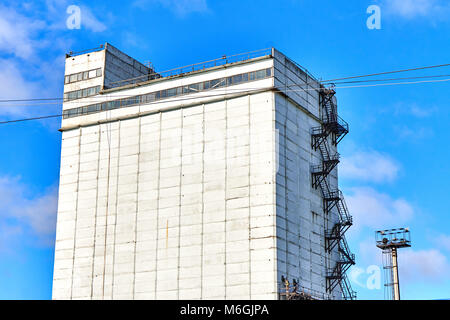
(194, 67)
(73, 54)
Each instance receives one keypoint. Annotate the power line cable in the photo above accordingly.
(30, 119)
(249, 91)
(388, 72)
(322, 82)
(95, 99)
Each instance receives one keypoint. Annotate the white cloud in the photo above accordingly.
(428, 265)
(377, 210)
(14, 86)
(410, 9)
(34, 214)
(17, 33)
(369, 166)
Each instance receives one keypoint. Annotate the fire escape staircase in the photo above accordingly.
(336, 128)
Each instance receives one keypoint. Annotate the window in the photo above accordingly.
(172, 92)
(85, 75)
(195, 87)
(260, 74)
(237, 79)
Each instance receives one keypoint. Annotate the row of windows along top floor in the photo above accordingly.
(168, 93)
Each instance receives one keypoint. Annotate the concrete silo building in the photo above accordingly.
(213, 181)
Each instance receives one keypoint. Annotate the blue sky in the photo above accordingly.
(394, 168)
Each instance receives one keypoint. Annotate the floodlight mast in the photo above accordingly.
(389, 241)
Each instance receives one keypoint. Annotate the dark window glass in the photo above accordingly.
(150, 97)
(217, 83)
(185, 89)
(172, 92)
(261, 74)
(229, 81)
(237, 79)
(268, 72)
(163, 94)
(252, 76)
(245, 77)
(79, 76)
(85, 75)
(206, 85)
(194, 87)
(99, 72)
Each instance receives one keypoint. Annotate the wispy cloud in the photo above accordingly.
(443, 241)
(90, 21)
(411, 109)
(13, 85)
(369, 166)
(413, 133)
(410, 9)
(26, 213)
(376, 210)
(18, 33)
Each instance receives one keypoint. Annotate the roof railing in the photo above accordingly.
(194, 67)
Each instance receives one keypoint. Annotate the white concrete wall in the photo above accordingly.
(183, 200)
(81, 63)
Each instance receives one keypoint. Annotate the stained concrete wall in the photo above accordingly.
(178, 204)
(301, 222)
(119, 66)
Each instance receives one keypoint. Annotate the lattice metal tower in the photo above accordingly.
(390, 241)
